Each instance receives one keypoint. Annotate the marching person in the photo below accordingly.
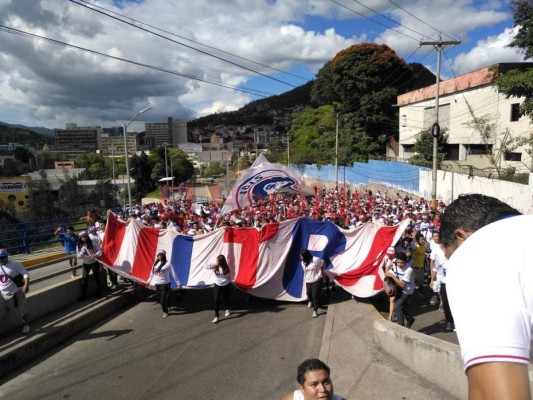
(69, 240)
(312, 267)
(87, 251)
(402, 275)
(160, 279)
(221, 286)
(13, 295)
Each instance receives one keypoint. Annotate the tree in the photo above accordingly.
(277, 153)
(42, 198)
(213, 169)
(141, 171)
(520, 83)
(323, 92)
(365, 79)
(523, 17)
(424, 148)
(313, 134)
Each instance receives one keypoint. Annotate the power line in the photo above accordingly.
(424, 22)
(18, 32)
(196, 42)
(393, 21)
(183, 44)
(373, 20)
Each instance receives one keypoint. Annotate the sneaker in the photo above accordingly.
(433, 300)
(410, 323)
(450, 327)
(25, 329)
(309, 305)
(227, 313)
(113, 287)
(73, 275)
(215, 320)
(315, 315)
(441, 308)
(165, 315)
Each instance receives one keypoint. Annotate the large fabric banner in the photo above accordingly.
(260, 180)
(264, 262)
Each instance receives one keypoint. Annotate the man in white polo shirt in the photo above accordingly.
(490, 287)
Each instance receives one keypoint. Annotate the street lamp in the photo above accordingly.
(126, 152)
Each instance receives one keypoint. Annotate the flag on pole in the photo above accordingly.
(260, 180)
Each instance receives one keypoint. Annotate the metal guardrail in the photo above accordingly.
(23, 237)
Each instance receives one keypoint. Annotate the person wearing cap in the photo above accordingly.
(69, 239)
(88, 250)
(160, 279)
(13, 296)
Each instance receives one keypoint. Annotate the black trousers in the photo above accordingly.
(163, 294)
(313, 291)
(95, 268)
(221, 291)
(447, 311)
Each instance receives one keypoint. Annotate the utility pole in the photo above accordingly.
(337, 151)
(435, 129)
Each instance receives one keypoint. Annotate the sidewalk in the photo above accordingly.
(360, 368)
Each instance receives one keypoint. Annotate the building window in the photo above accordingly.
(404, 120)
(478, 149)
(515, 112)
(510, 156)
(452, 152)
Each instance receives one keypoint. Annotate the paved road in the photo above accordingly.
(139, 355)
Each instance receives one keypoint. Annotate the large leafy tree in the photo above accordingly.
(520, 83)
(42, 199)
(182, 167)
(141, 171)
(313, 136)
(363, 82)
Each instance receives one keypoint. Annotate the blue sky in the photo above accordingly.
(42, 84)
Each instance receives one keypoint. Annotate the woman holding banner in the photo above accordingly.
(312, 267)
(160, 279)
(221, 286)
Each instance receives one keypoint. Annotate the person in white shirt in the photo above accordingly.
(222, 285)
(160, 279)
(314, 382)
(88, 250)
(12, 295)
(402, 275)
(312, 267)
(488, 245)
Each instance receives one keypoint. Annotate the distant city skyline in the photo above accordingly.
(275, 46)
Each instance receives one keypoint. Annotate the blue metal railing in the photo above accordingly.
(23, 237)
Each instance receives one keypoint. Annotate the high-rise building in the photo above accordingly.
(75, 140)
(170, 133)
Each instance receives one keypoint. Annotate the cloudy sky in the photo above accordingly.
(188, 58)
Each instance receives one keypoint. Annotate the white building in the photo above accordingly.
(472, 95)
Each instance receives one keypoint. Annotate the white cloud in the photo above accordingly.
(44, 84)
(491, 50)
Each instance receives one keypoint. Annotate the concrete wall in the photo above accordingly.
(434, 359)
(418, 182)
(47, 300)
(450, 185)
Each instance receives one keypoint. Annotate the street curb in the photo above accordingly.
(48, 336)
(326, 336)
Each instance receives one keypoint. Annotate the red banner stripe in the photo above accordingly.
(145, 253)
(115, 232)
